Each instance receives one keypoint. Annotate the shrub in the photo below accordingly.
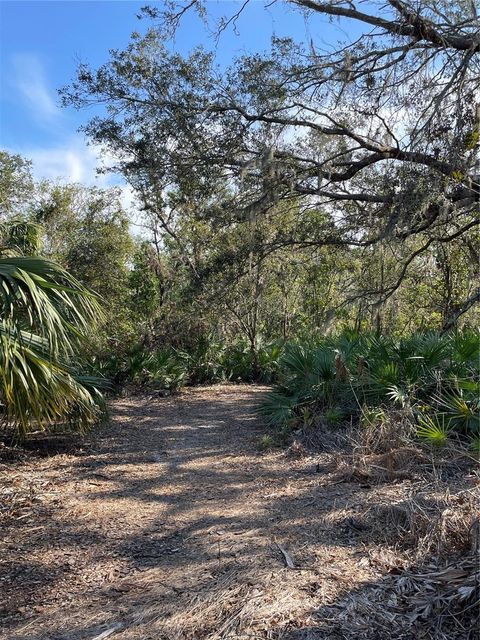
(432, 377)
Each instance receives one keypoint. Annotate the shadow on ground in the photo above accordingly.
(172, 524)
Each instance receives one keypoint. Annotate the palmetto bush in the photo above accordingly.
(165, 368)
(45, 314)
(433, 377)
(211, 361)
(205, 361)
(307, 378)
(238, 363)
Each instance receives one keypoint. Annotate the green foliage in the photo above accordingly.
(86, 231)
(334, 416)
(144, 283)
(45, 313)
(16, 185)
(164, 369)
(433, 430)
(21, 236)
(475, 445)
(239, 363)
(434, 377)
(279, 408)
(267, 442)
(171, 368)
(371, 416)
(461, 410)
(208, 285)
(167, 369)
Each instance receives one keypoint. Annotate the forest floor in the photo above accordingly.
(171, 523)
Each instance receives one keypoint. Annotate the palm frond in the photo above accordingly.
(278, 407)
(433, 430)
(44, 313)
(36, 390)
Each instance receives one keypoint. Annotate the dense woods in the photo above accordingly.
(309, 221)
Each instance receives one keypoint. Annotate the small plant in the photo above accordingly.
(462, 412)
(434, 430)
(278, 408)
(475, 445)
(306, 417)
(267, 442)
(334, 416)
(398, 396)
(372, 416)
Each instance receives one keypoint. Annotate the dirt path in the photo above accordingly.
(170, 523)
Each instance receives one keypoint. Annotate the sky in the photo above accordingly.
(42, 43)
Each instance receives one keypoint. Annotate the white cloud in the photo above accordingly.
(71, 161)
(30, 80)
(74, 161)
(65, 157)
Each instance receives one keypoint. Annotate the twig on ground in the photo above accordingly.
(109, 632)
(288, 558)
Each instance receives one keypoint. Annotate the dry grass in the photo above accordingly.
(428, 522)
(230, 605)
(428, 525)
(431, 603)
(397, 464)
(383, 431)
(166, 528)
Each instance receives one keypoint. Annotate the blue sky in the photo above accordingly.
(42, 43)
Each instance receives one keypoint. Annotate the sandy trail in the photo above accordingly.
(170, 523)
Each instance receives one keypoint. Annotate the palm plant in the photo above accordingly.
(462, 410)
(433, 430)
(434, 378)
(278, 407)
(45, 313)
(307, 378)
(205, 360)
(167, 369)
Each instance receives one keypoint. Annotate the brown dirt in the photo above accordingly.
(170, 523)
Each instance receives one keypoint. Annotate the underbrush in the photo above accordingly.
(392, 406)
(169, 369)
(425, 386)
(421, 511)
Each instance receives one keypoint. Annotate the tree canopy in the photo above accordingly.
(381, 134)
